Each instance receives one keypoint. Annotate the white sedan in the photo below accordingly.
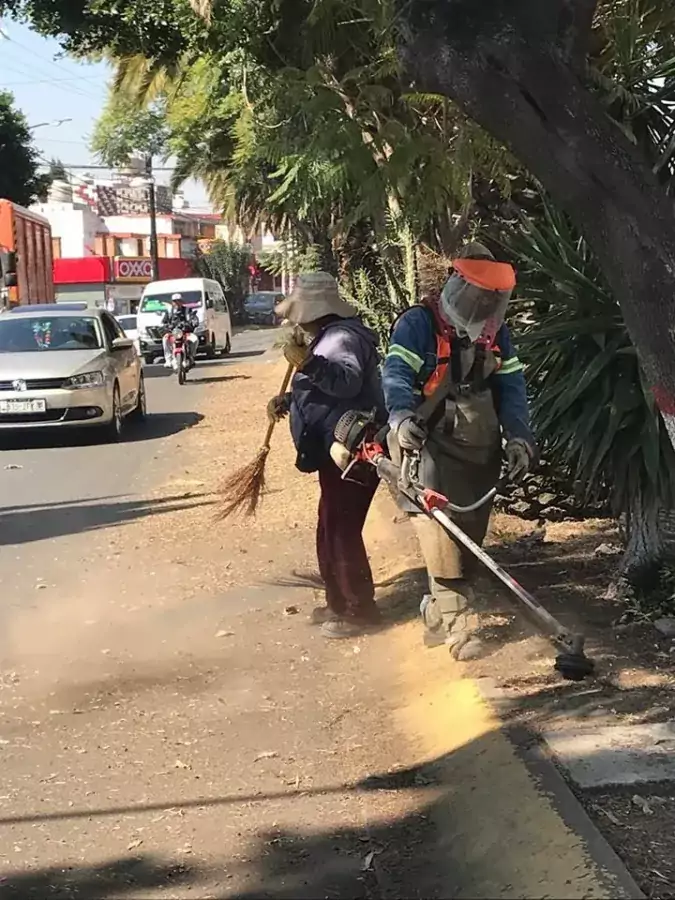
(129, 326)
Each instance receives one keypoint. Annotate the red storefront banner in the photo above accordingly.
(104, 270)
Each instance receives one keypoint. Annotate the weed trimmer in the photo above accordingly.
(357, 433)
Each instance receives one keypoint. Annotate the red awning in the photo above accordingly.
(85, 270)
(99, 270)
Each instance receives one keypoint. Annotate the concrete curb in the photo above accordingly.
(538, 762)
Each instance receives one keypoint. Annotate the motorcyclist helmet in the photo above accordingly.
(475, 296)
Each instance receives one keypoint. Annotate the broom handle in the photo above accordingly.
(282, 390)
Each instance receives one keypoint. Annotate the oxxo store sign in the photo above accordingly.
(132, 269)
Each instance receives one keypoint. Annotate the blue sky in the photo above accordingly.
(48, 87)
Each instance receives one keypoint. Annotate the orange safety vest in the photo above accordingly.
(445, 338)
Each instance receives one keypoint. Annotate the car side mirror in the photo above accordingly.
(122, 343)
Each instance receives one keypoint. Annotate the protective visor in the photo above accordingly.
(475, 297)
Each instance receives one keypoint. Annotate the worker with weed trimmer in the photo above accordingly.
(336, 369)
(455, 390)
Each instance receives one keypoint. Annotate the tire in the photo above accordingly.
(211, 349)
(227, 348)
(114, 430)
(140, 410)
(180, 368)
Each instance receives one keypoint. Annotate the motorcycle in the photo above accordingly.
(183, 358)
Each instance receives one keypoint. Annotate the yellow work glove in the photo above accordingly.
(295, 351)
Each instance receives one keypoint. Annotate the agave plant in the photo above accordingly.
(593, 413)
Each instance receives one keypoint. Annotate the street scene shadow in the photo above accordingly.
(132, 874)
(419, 840)
(217, 379)
(24, 524)
(398, 596)
(155, 427)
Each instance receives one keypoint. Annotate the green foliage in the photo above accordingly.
(593, 414)
(19, 159)
(227, 263)
(288, 257)
(125, 130)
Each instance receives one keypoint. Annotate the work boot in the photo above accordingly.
(320, 615)
(462, 637)
(337, 628)
(448, 620)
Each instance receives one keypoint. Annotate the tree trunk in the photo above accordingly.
(513, 68)
(645, 547)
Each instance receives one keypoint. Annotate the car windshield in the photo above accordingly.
(31, 334)
(128, 322)
(262, 301)
(160, 303)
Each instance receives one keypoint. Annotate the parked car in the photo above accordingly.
(129, 327)
(68, 365)
(260, 307)
(203, 296)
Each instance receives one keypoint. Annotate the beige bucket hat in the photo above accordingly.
(314, 296)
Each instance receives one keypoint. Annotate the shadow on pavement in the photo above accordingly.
(452, 827)
(111, 879)
(217, 379)
(155, 426)
(19, 525)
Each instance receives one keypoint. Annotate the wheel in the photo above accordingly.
(140, 410)
(227, 348)
(180, 368)
(211, 349)
(114, 429)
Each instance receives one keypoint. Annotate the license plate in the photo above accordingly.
(23, 406)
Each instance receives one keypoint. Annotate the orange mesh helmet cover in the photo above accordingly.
(486, 273)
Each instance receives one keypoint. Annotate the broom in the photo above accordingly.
(245, 486)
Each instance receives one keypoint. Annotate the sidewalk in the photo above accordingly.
(193, 736)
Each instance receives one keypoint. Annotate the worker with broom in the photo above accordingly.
(454, 388)
(337, 369)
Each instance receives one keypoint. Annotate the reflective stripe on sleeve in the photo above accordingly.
(412, 359)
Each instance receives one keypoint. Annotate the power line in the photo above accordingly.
(32, 71)
(53, 80)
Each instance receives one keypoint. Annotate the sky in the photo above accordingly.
(48, 87)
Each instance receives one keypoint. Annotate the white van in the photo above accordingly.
(202, 295)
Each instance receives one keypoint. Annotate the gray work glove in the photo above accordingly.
(519, 456)
(412, 435)
(278, 408)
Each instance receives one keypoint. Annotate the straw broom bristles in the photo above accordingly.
(242, 490)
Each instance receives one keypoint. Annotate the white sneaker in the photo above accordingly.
(168, 364)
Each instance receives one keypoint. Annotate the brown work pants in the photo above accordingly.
(343, 561)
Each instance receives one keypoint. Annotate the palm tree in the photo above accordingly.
(593, 414)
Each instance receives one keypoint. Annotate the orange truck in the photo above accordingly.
(26, 272)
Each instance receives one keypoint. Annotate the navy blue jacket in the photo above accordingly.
(342, 373)
(411, 359)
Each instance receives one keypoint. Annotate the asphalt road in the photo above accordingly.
(56, 487)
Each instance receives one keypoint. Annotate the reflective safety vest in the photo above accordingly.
(449, 353)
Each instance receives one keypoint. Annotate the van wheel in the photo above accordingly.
(211, 349)
(227, 348)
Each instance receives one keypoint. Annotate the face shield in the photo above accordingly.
(475, 297)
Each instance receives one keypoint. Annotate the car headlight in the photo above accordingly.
(200, 329)
(87, 380)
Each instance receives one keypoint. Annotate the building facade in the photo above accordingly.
(101, 241)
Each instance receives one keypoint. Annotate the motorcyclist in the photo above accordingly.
(454, 388)
(179, 316)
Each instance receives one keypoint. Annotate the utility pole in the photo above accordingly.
(152, 207)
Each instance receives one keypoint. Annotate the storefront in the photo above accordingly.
(113, 283)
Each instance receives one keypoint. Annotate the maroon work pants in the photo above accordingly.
(343, 562)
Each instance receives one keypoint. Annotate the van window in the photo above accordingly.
(160, 302)
(221, 304)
